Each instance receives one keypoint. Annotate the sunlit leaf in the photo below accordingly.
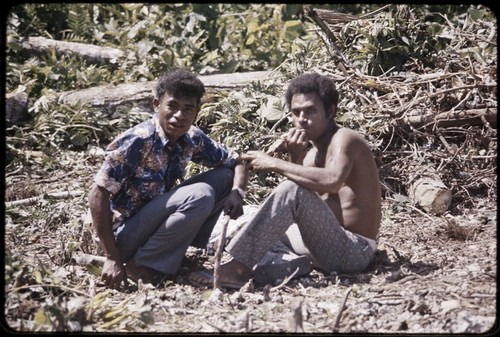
(250, 40)
(38, 276)
(41, 318)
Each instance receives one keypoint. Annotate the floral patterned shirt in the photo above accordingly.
(141, 163)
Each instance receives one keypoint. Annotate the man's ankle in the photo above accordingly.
(136, 271)
(239, 269)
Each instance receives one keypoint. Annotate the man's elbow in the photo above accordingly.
(97, 196)
(92, 195)
(332, 186)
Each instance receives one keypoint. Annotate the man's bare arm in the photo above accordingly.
(322, 180)
(113, 271)
(102, 220)
(240, 175)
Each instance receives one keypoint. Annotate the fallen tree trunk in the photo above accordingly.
(89, 52)
(113, 96)
(142, 92)
(109, 96)
(456, 118)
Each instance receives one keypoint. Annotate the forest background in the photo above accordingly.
(418, 81)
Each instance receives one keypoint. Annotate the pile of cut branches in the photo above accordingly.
(433, 116)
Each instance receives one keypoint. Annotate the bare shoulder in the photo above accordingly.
(345, 136)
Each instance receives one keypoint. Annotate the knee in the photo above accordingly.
(287, 187)
(222, 180)
(204, 194)
(225, 176)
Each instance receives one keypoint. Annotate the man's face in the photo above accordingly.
(308, 113)
(177, 114)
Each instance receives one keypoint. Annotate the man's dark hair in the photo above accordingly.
(180, 83)
(313, 82)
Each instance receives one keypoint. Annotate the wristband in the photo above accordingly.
(240, 191)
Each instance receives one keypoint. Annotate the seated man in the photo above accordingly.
(144, 220)
(329, 208)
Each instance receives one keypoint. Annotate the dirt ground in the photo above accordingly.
(432, 274)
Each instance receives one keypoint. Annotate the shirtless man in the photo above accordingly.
(328, 209)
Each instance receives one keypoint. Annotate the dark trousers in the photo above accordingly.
(159, 235)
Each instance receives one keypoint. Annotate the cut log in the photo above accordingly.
(89, 52)
(110, 96)
(431, 194)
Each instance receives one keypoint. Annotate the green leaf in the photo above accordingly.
(41, 318)
(434, 28)
(144, 47)
(475, 14)
(135, 29)
(250, 40)
(293, 24)
(38, 276)
(400, 197)
(79, 140)
(252, 27)
(271, 110)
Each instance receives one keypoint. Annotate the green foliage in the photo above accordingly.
(404, 33)
(203, 38)
(206, 38)
(52, 128)
(154, 37)
(13, 265)
(237, 120)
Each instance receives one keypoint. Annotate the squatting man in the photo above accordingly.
(145, 219)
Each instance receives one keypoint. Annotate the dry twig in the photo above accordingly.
(220, 249)
(34, 200)
(342, 306)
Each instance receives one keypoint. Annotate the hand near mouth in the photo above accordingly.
(296, 144)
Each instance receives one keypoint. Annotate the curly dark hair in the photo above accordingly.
(180, 83)
(313, 82)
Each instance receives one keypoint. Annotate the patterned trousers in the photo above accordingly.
(305, 223)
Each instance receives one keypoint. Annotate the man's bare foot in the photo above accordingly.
(232, 274)
(148, 275)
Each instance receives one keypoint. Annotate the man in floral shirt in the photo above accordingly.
(143, 217)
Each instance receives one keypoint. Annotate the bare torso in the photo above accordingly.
(358, 203)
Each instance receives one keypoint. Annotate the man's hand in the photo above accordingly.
(258, 161)
(234, 205)
(113, 274)
(296, 144)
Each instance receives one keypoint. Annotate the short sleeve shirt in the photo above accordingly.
(141, 163)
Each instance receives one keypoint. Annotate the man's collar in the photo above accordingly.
(185, 138)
